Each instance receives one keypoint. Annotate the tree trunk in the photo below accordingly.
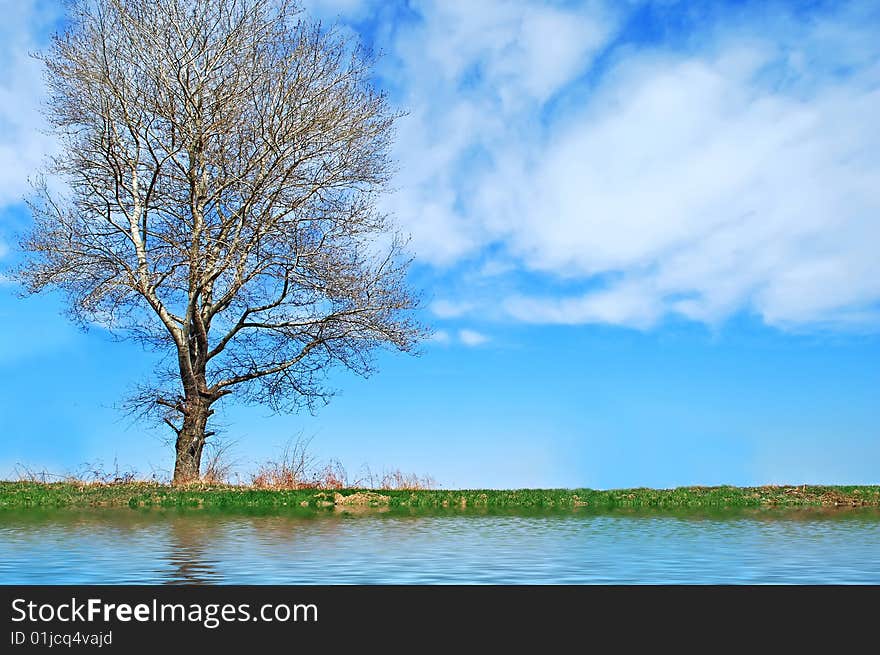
(191, 442)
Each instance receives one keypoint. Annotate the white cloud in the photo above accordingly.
(472, 338)
(23, 143)
(472, 76)
(465, 337)
(450, 308)
(710, 196)
(732, 171)
(440, 336)
(736, 174)
(623, 304)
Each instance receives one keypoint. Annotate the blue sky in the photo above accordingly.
(646, 234)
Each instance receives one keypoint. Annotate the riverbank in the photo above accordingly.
(64, 494)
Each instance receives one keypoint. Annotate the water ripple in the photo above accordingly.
(119, 547)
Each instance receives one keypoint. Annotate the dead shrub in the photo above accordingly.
(293, 470)
(217, 463)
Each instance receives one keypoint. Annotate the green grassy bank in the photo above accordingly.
(17, 495)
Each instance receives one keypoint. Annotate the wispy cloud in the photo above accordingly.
(472, 338)
(23, 141)
(733, 168)
(450, 308)
(473, 76)
(633, 305)
(441, 337)
(730, 166)
(465, 337)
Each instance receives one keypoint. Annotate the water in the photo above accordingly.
(129, 546)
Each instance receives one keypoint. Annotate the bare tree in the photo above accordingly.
(222, 161)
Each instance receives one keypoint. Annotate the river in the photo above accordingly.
(124, 546)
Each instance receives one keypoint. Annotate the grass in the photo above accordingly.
(144, 494)
(296, 468)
